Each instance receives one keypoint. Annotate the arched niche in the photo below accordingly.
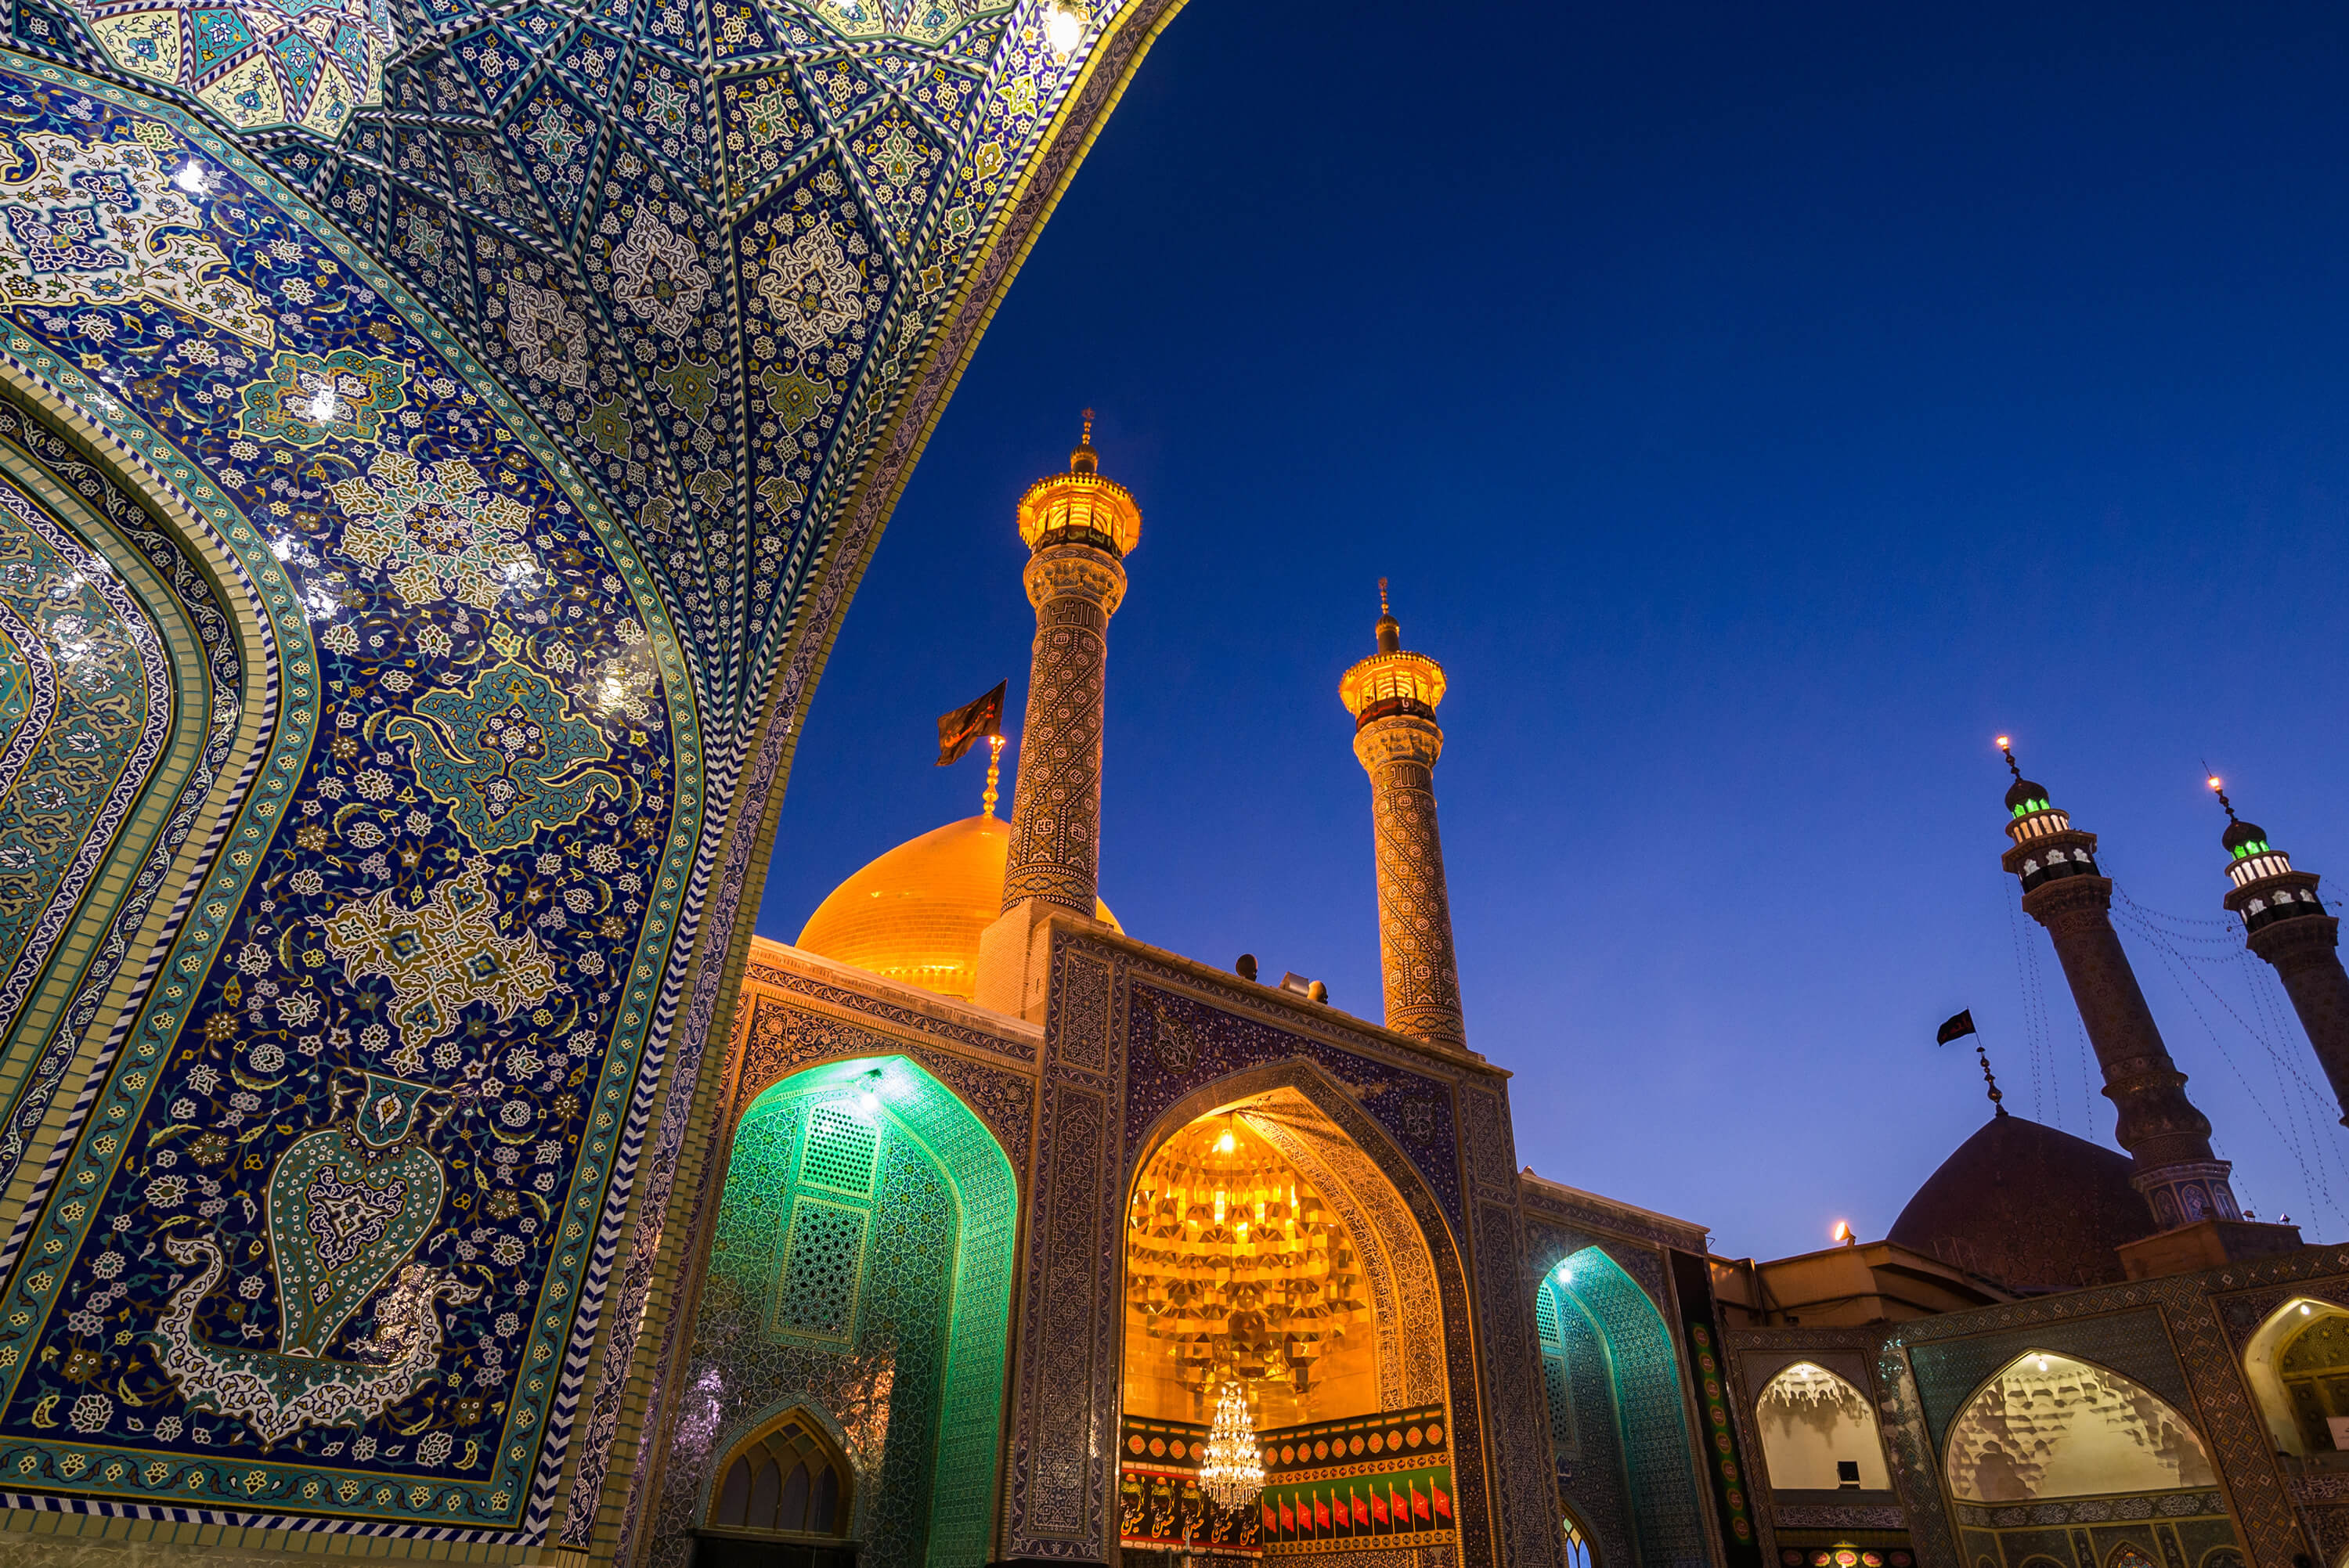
(130, 648)
(2046, 1426)
(1814, 1423)
(1391, 1377)
(2297, 1364)
(1619, 1425)
(786, 1477)
(858, 1284)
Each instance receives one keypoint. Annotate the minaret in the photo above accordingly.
(2285, 922)
(1078, 528)
(1392, 697)
(2063, 890)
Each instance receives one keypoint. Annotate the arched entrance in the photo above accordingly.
(2297, 1365)
(851, 1324)
(1617, 1427)
(1265, 1249)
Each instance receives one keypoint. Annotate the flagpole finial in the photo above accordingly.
(1990, 1078)
(994, 775)
(2218, 789)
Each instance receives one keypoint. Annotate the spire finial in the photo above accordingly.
(994, 775)
(1989, 1078)
(1086, 439)
(1389, 635)
(2224, 804)
(1084, 460)
(2006, 750)
(1383, 597)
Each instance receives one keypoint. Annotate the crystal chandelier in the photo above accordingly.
(1233, 1471)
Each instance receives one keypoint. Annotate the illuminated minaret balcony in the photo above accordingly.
(2285, 923)
(2046, 845)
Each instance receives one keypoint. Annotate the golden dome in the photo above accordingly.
(914, 916)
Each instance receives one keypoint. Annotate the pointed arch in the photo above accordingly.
(1814, 1422)
(1316, 1122)
(788, 1475)
(858, 1286)
(1631, 1468)
(2047, 1426)
(2297, 1365)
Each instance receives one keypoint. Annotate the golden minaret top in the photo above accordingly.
(1391, 680)
(1079, 506)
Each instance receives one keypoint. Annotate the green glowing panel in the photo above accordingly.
(841, 1148)
(821, 1263)
(861, 1267)
(1646, 1386)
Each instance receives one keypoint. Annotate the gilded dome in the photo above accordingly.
(914, 916)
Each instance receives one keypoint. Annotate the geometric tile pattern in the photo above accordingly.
(1644, 1381)
(1585, 1427)
(885, 1314)
(774, 1039)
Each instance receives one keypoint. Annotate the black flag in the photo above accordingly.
(957, 730)
(1957, 1028)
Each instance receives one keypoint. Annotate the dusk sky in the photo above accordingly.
(1757, 409)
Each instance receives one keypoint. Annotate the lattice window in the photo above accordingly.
(822, 1256)
(1556, 1384)
(841, 1150)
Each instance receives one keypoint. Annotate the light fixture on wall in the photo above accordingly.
(1233, 1471)
(1064, 27)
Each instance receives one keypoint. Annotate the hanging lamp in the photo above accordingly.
(1233, 1471)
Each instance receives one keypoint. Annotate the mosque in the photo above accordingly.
(439, 441)
(1207, 1270)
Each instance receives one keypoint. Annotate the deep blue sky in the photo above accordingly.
(1756, 409)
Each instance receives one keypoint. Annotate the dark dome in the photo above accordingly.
(2022, 792)
(2030, 1207)
(2241, 833)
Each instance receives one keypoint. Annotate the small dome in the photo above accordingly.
(2022, 793)
(2026, 1205)
(2242, 835)
(914, 916)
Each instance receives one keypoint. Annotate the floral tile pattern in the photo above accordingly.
(320, 1242)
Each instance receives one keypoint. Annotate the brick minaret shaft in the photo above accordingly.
(2285, 922)
(1392, 697)
(1078, 527)
(2168, 1139)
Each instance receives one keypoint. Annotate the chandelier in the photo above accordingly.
(1233, 1471)
(1234, 1263)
